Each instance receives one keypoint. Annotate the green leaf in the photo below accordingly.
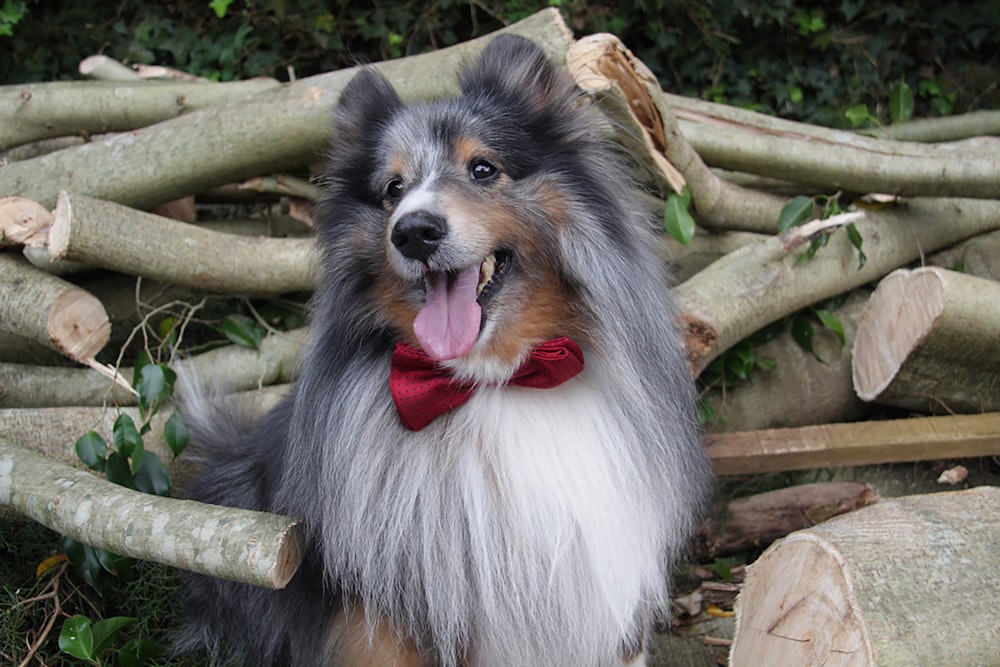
(795, 212)
(677, 219)
(152, 476)
(854, 236)
(242, 331)
(831, 322)
(104, 632)
(176, 433)
(220, 7)
(91, 448)
(128, 442)
(84, 558)
(857, 115)
(802, 332)
(117, 471)
(77, 638)
(900, 103)
(156, 382)
(120, 566)
(138, 651)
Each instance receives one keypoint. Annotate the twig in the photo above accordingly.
(56, 612)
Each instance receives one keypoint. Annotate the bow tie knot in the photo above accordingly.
(423, 390)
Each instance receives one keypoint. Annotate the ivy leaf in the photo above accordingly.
(176, 433)
(831, 322)
(854, 236)
(242, 331)
(77, 638)
(92, 449)
(900, 103)
(795, 212)
(152, 476)
(677, 219)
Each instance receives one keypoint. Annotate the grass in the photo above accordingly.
(29, 604)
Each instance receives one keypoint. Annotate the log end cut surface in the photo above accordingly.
(803, 610)
(898, 317)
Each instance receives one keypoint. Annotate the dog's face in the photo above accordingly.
(463, 203)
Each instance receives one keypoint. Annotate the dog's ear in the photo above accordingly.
(515, 68)
(366, 102)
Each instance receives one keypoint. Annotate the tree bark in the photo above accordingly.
(252, 547)
(44, 110)
(861, 443)
(889, 585)
(602, 64)
(946, 128)
(928, 340)
(50, 311)
(116, 237)
(233, 368)
(761, 283)
(754, 522)
(979, 256)
(272, 131)
(800, 390)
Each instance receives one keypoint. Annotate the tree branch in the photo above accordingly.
(252, 547)
(44, 110)
(112, 236)
(272, 131)
(760, 283)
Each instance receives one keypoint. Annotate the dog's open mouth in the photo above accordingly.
(449, 323)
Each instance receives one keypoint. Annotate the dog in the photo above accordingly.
(493, 441)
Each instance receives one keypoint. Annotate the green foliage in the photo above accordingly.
(10, 14)
(677, 219)
(128, 463)
(94, 641)
(802, 59)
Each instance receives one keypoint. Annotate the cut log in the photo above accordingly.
(929, 339)
(631, 95)
(273, 131)
(760, 283)
(861, 443)
(241, 545)
(893, 585)
(123, 239)
(22, 221)
(53, 109)
(232, 368)
(979, 256)
(51, 311)
(756, 521)
(800, 390)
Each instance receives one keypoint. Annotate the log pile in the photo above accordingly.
(90, 170)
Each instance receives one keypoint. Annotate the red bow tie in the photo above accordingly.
(423, 390)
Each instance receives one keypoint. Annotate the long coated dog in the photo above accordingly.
(493, 442)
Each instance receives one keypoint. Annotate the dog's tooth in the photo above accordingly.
(486, 270)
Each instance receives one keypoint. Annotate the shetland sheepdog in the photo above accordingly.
(493, 443)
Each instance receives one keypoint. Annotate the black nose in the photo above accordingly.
(417, 235)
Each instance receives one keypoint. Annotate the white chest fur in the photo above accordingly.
(524, 523)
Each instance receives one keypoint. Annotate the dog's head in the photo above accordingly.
(459, 206)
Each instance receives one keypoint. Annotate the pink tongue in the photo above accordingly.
(448, 324)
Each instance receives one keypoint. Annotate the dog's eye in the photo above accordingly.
(393, 190)
(482, 170)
